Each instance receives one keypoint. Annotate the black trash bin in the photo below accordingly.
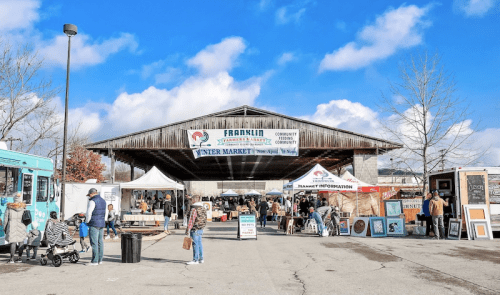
(131, 247)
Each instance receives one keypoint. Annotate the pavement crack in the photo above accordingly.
(297, 278)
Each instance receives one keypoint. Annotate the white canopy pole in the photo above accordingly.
(357, 208)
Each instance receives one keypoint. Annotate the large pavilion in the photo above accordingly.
(167, 147)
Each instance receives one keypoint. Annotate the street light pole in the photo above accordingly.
(70, 31)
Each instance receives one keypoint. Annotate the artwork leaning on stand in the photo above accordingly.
(360, 226)
(393, 208)
(454, 229)
(378, 227)
(395, 227)
(345, 229)
(477, 220)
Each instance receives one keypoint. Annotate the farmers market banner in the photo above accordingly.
(242, 142)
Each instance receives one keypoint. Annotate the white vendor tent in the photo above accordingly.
(318, 178)
(349, 177)
(152, 180)
(252, 193)
(229, 193)
(274, 192)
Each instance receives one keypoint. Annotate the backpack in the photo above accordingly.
(26, 219)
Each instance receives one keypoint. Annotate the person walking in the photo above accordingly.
(15, 229)
(436, 210)
(110, 222)
(262, 208)
(167, 213)
(335, 217)
(96, 214)
(196, 224)
(275, 209)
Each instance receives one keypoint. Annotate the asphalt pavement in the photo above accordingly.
(272, 264)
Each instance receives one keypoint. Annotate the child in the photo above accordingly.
(84, 231)
(34, 238)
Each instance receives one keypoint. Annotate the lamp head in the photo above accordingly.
(70, 30)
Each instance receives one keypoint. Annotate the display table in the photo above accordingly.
(142, 218)
(233, 214)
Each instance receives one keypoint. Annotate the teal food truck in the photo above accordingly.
(33, 177)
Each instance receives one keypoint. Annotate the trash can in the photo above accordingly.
(131, 247)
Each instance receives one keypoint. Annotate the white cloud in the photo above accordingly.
(264, 4)
(347, 115)
(87, 122)
(211, 90)
(286, 58)
(284, 16)
(474, 8)
(84, 51)
(18, 14)
(395, 29)
(219, 57)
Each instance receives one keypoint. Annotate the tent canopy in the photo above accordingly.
(252, 193)
(318, 178)
(274, 192)
(152, 180)
(349, 177)
(229, 193)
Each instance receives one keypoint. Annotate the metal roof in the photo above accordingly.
(167, 147)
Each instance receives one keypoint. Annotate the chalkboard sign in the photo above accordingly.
(476, 189)
(27, 188)
(247, 228)
(494, 188)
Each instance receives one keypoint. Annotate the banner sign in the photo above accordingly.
(243, 142)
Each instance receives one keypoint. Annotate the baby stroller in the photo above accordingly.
(59, 241)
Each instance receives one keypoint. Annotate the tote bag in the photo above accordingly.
(26, 219)
(187, 243)
(84, 230)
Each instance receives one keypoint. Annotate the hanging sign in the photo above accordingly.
(247, 228)
(243, 142)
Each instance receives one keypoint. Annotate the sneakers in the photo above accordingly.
(83, 251)
(11, 261)
(192, 262)
(107, 237)
(88, 248)
(91, 264)
(201, 261)
(100, 262)
(115, 238)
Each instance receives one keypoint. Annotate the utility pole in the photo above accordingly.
(392, 170)
(11, 139)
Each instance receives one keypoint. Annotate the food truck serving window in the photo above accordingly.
(27, 188)
(8, 181)
(42, 191)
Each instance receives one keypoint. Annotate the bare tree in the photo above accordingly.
(26, 107)
(427, 118)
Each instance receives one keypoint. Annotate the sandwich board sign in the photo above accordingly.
(247, 228)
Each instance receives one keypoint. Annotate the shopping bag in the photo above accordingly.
(26, 218)
(325, 232)
(84, 230)
(187, 243)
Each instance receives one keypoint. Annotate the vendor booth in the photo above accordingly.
(363, 202)
(317, 179)
(153, 180)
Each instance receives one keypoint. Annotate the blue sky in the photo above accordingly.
(137, 65)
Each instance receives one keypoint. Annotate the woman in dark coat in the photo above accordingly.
(262, 208)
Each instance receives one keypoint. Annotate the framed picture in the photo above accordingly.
(454, 229)
(419, 230)
(360, 226)
(345, 229)
(393, 208)
(481, 231)
(395, 227)
(477, 213)
(378, 227)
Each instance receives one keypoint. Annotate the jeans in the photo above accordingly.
(96, 235)
(275, 217)
(263, 219)
(28, 248)
(112, 225)
(319, 221)
(437, 220)
(196, 235)
(428, 225)
(165, 226)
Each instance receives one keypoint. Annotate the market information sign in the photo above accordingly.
(247, 228)
(494, 188)
(244, 142)
(27, 188)
(476, 189)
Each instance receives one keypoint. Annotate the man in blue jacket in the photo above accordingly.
(96, 213)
